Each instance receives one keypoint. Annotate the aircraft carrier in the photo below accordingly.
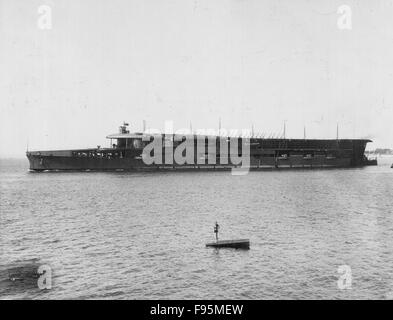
(127, 154)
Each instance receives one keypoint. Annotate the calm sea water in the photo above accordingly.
(143, 235)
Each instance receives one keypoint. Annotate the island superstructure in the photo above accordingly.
(264, 153)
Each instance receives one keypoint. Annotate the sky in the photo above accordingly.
(98, 63)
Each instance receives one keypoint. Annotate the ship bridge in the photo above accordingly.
(126, 139)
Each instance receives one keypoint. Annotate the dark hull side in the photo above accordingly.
(41, 163)
(264, 154)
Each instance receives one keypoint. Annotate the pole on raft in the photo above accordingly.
(216, 227)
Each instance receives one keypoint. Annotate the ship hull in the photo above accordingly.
(62, 163)
(264, 154)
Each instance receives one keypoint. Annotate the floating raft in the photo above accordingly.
(238, 244)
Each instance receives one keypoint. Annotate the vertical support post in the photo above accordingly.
(216, 227)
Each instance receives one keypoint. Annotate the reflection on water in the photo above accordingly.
(143, 235)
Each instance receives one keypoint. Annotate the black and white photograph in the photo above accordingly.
(207, 151)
